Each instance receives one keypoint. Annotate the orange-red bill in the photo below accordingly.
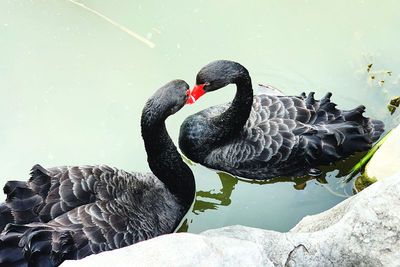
(195, 93)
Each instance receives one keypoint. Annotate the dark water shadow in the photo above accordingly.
(222, 198)
(343, 166)
(212, 200)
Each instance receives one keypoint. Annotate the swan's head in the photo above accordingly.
(175, 95)
(166, 101)
(216, 75)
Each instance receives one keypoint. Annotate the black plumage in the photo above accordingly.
(71, 212)
(265, 136)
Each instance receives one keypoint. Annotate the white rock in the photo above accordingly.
(180, 249)
(385, 161)
(363, 230)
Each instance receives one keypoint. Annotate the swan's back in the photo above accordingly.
(284, 135)
(72, 212)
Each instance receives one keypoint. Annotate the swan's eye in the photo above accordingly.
(206, 83)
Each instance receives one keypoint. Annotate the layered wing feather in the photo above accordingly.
(288, 134)
(71, 212)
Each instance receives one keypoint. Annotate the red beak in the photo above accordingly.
(195, 93)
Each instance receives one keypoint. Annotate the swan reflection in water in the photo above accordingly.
(213, 199)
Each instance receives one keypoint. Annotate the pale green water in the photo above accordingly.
(72, 85)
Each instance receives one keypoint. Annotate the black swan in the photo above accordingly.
(265, 136)
(71, 212)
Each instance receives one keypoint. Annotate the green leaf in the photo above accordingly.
(367, 157)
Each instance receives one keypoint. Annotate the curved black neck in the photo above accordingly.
(165, 161)
(231, 122)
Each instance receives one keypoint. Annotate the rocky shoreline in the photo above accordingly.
(363, 230)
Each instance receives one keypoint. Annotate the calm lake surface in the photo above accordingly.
(74, 79)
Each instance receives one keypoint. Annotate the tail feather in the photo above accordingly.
(339, 133)
(5, 216)
(22, 202)
(37, 247)
(25, 199)
(377, 127)
(372, 129)
(37, 244)
(355, 114)
(310, 100)
(40, 180)
(10, 252)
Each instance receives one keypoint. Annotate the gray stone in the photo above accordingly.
(181, 249)
(363, 230)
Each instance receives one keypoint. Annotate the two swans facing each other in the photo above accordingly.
(71, 212)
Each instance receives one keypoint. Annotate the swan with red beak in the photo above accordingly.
(265, 136)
